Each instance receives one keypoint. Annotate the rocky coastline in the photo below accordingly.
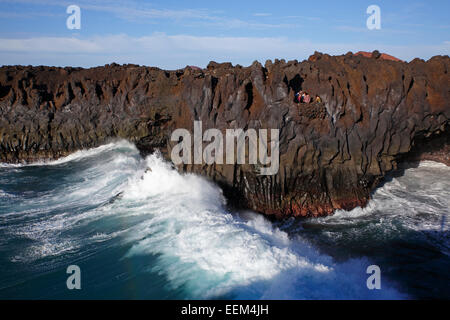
(375, 114)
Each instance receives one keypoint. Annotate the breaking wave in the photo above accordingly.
(134, 222)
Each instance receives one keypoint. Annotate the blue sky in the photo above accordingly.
(172, 34)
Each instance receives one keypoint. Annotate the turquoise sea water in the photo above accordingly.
(161, 235)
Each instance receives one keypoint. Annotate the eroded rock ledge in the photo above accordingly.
(375, 113)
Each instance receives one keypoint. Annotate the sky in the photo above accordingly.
(172, 34)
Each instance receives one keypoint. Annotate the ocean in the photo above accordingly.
(158, 234)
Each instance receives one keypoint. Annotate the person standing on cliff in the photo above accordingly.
(307, 98)
(299, 97)
(302, 97)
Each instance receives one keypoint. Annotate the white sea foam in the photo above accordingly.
(76, 156)
(5, 194)
(202, 248)
(211, 252)
(424, 190)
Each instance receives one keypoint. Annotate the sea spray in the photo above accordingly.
(168, 235)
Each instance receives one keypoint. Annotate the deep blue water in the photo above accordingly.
(161, 235)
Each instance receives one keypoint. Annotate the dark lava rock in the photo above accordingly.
(375, 113)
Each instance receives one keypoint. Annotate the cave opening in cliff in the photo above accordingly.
(432, 146)
(295, 83)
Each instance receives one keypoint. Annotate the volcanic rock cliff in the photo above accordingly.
(374, 114)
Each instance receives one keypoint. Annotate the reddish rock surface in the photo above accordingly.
(375, 113)
(383, 56)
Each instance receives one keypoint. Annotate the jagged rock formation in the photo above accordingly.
(332, 155)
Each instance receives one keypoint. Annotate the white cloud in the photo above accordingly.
(262, 14)
(230, 23)
(365, 29)
(177, 51)
(50, 44)
(21, 15)
(135, 11)
(302, 18)
(125, 9)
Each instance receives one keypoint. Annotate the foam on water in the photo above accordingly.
(78, 155)
(200, 247)
(215, 253)
(417, 201)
